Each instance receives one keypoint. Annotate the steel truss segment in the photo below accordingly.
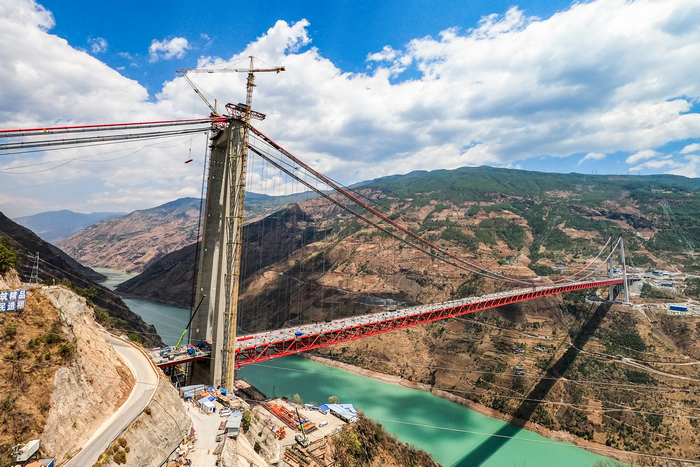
(248, 355)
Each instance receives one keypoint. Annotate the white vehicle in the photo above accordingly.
(224, 412)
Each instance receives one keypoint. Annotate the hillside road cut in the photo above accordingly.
(145, 387)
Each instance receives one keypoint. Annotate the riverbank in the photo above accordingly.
(562, 436)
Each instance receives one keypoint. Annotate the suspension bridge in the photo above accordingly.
(218, 280)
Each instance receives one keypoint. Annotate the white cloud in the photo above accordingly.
(666, 161)
(98, 45)
(641, 155)
(386, 54)
(690, 148)
(689, 169)
(599, 78)
(167, 49)
(591, 156)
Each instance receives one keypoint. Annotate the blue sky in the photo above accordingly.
(345, 32)
(371, 89)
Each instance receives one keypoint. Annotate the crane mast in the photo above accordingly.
(235, 173)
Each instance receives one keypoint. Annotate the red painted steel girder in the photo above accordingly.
(255, 354)
(186, 360)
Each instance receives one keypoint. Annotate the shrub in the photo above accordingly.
(122, 442)
(135, 337)
(66, 350)
(652, 293)
(147, 410)
(542, 270)
(245, 423)
(257, 448)
(120, 457)
(297, 399)
(11, 329)
(333, 400)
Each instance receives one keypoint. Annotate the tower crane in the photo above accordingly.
(237, 170)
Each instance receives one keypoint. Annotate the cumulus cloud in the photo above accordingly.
(641, 155)
(591, 156)
(387, 53)
(666, 161)
(167, 49)
(689, 168)
(690, 148)
(598, 78)
(98, 45)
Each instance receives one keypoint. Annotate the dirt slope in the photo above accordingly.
(60, 378)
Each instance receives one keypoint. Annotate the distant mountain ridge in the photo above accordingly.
(57, 225)
(512, 221)
(131, 242)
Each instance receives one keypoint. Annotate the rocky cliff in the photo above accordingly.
(62, 379)
(155, 433)
(87, 391)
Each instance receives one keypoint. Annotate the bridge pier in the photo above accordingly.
(225, 166)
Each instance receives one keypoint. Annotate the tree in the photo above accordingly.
(9, 258)
(333, 400)
(297, 399)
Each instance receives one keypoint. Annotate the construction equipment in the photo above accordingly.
(189, 322)
(301, 439)
(236, 176)
(214, 111)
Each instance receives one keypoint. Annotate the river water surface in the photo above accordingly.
(454, 435)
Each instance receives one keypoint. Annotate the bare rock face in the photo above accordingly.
(158, 430)
(10, 280)
(87, 392)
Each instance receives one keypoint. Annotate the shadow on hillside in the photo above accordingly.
(527, 408)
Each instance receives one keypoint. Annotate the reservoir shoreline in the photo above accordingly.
(562, 436)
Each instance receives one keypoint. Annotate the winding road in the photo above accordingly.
(146, 384)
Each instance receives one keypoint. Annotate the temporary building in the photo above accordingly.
(195, 388)
(233, 424)
(42, 463)
(28, 450)
(345, 412)
(206, 405)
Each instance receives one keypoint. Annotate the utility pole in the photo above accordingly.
(34, 278)
(223, 230)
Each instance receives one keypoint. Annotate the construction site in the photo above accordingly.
(245, 427)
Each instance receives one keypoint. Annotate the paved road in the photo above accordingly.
(278, 335)
(145, 387)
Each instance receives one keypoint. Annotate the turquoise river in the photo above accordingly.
(454, 435)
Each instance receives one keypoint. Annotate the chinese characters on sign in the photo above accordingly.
(13, 300)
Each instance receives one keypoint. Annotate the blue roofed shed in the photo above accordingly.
(345, 412)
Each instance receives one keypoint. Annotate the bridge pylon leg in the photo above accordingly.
(625, 284)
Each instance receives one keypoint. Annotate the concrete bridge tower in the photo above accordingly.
(218, 254)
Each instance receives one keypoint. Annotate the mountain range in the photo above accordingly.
(53, 226)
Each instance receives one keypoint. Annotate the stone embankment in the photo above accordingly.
(88, 391)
